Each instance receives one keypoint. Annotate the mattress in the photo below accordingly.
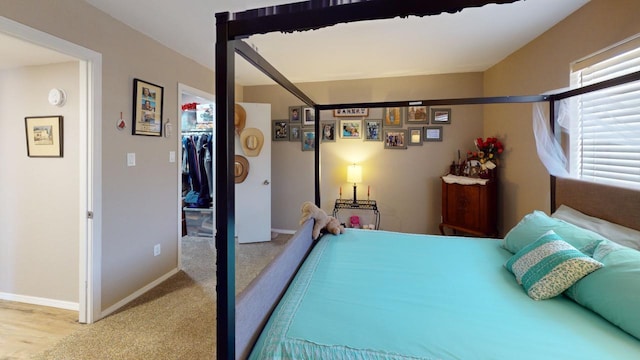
(384, 295)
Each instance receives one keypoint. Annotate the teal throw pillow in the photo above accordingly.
(537, 223)
(549, 266)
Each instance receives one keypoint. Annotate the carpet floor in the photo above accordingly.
(176, 319)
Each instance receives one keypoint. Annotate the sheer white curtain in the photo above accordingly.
(549, 149)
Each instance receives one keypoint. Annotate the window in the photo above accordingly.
(605, 130)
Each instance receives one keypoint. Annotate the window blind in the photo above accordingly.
(606, 142)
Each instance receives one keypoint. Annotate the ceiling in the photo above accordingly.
(472, 40)
(16, 53)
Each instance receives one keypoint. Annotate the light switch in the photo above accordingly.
(172, 156)
(131, 159)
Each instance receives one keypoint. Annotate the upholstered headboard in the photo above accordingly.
(614, 204)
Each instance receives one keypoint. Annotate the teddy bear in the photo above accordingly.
(322, 221)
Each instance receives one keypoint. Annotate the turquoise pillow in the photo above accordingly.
(549, 266)
(613, 291)
(537, 223)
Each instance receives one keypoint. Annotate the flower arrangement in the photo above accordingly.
(189, 106)
(487, 152)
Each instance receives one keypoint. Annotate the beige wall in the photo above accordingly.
(139, 204)
(39, 220)
(405, 183)
(540, 66)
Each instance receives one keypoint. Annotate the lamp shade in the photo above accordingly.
(354, 174)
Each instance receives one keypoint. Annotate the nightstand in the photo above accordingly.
(367, 205)
(470, 208)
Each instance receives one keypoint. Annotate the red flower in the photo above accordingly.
(189, 106)
(488, 150)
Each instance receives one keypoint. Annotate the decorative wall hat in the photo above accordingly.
(241, 168)
(239, 118)
(251, 141)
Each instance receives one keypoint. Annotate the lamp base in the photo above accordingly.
(354, 193)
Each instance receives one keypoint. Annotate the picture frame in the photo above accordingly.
(372, 130)
(279, 130)
(433, 133)
(148, 101)
(392, 117)
(295, 114)
(415, 136)
(328, 131)
(395, 139)
(44, 136)
(417, 115)
(308, 117)
(351, 129)
(294, 133)
(440, 116)
(359, 112)
(308, 139)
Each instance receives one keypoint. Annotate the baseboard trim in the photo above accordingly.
(34, 300)
(283, 231)
(111, 309)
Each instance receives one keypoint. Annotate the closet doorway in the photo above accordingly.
(196, 165)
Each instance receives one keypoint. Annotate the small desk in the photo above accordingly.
(369, 205)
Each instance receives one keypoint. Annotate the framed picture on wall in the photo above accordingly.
(294, 133)
(147, 108)
(392, 117)
(295, 114)
(351, 129)
(373, 130)
(308, 117)
(308, 140)
(328, 131)
(395, 139)
(415, 136)
(358, 112)
(44, 136)
(440, 116)
(433, 133)
(417, 115)
(279, 130)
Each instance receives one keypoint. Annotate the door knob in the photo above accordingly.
(266, 182)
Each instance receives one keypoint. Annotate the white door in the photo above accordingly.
(253, 195)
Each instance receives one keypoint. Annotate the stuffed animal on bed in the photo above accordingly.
(322, 221)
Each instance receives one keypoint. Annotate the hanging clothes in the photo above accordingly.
(197, 171)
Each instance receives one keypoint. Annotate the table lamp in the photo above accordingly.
(354, 175)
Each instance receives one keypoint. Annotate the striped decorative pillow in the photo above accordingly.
(549, 266)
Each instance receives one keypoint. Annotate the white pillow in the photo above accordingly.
(614, 232)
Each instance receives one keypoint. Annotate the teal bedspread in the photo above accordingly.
(384, 295)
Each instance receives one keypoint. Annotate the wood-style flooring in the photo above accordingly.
(27, 330)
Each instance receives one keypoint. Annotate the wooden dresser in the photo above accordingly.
(471, 209)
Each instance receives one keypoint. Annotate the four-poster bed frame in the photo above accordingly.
(308, 15)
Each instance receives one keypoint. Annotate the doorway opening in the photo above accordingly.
(87, 166)
(196, 175)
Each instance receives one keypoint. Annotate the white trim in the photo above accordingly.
(90, 163)
(283, 231)
(111, 309)
(60, 304)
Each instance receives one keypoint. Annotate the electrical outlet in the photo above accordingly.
(156, 250)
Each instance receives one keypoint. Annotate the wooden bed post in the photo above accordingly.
(225, 190)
